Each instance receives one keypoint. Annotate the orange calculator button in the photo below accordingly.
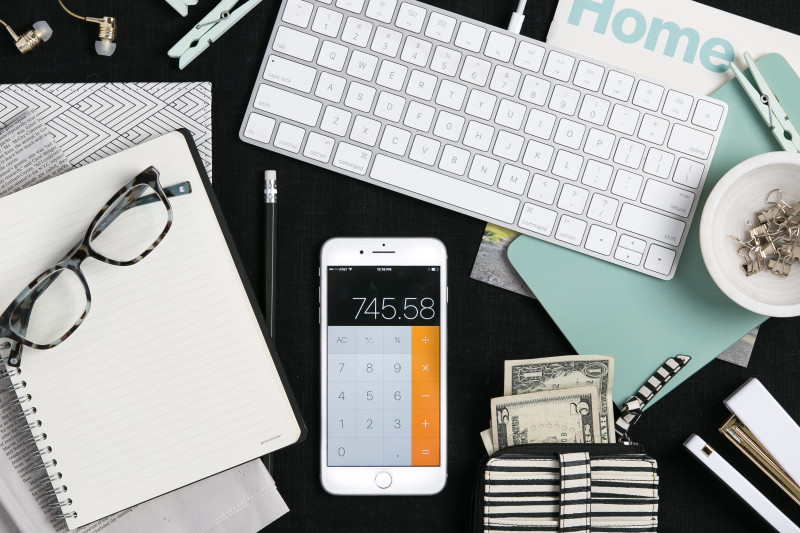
(425, 367)
(425, 452)
(425, 395)
(424, 424)
(425, 339)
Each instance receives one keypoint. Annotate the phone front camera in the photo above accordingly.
(361, 252)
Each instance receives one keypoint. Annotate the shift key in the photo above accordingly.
(651, 224)
(287, 105)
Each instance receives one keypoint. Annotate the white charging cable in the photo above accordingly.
(517, 17)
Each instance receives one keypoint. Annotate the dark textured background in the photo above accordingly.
(487, 325)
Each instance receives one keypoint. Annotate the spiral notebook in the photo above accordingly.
(171, 378)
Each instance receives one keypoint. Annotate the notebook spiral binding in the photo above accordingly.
(35, 439)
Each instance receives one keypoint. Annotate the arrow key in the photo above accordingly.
(600, 240)
(660, 259)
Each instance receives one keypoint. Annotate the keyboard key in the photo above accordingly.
(259, 127)
(658, 163)
(416, 51)
(537, 219)
(419, 116)
(365, 130)
(480, 104)
(513, 179)
(632, 243)
(529, 56)
(660, 259)
(688, 173)
(454, 160)
(390, 106)
(421, 84)
(410, 17)
(564, 100)
(627, 184)
(451, 94)
(505, 80)
(618, 85)
(362, 66)
(597, 175)
(534, 90)
(650, 224)
(543, 189)
(538, 155)
(442, 188)
(573, 199)
(540, 124)
(424, 150)
(559, 66)
(395, 140)
(484, 169)
(289, 137)
(440, 27)
(567, 165)
(603, 208)
(570, 134)
(352, 158)
(668, 198)
(356, 31)
(381, 10)
(392, 75)
(319, 147)
(629, 256)
(289, 73)
(297, 12)
(354, 6)
(510, 114)
(589, 76)
(500, 46)
(508, 145)
(690, 141)
(475, 70)
(600, 240)
(287, 105)
(599, 143)
(449, 126)
(653, 129)
(360, 96)
(648, 95)
(629, 153)
(335, 121)
(386, 41)
(678, 105)
(707, 115)
(570, 230)
(470, 36)
(478, 136)
(623, 119)
(296, 44)
(332, 56)
(327, 22)
(594, 110)
(330, 87)
(445, 61)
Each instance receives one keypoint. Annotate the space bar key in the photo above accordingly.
(482, 202)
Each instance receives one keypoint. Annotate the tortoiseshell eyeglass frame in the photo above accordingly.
(21, 308)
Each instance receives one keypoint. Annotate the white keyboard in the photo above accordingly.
(492, 124)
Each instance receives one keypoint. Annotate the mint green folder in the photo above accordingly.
(609, 310)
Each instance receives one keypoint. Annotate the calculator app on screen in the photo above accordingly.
(383, 361)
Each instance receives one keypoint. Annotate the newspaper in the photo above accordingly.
(240, 499)
(681, 42)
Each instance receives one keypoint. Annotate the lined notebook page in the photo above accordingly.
(169, 379)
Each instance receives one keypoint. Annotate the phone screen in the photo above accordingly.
(383, 365)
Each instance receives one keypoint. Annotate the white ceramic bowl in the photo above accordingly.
(733, 202)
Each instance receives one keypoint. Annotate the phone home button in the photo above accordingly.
(383, 480)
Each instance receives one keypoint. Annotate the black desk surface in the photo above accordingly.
(487, 325)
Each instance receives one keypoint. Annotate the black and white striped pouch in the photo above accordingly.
(581, 488)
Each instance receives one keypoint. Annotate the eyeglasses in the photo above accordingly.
(125, 231)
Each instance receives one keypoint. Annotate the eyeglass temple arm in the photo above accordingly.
(25, 315)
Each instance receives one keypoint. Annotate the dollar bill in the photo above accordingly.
(558, 373)
(554, 416)
(486, 437)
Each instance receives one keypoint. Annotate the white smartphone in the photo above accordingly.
(383, 318)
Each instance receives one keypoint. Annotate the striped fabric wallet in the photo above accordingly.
(577, 487)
